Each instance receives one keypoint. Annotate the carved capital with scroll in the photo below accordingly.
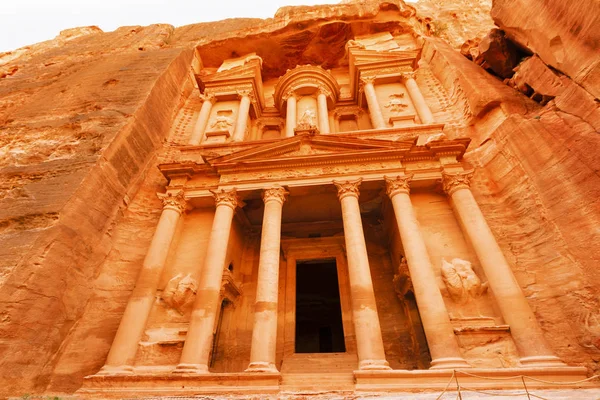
(398, 184)
(408, 75)
(276, 193)
(227, 198)
(348, 188)
(453, 181)
(208, 97)
(173, 200)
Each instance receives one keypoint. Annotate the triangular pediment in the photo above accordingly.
(310, 148)
(362, 57)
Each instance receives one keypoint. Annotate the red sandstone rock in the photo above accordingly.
(497, 54)
(83, 119)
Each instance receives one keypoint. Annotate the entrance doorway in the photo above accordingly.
(319, 326)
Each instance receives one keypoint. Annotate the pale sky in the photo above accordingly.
(24, 22)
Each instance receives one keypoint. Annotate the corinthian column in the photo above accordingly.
(198, 342)
(203, 117)
(515, 310)
(371, 354)
(373, 103)
(290, 116)
(417, 98)
(439, 332)
(122, 353)
(323, 111)
(264, 334)
(242, 117)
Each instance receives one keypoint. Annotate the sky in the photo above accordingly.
(24, 22)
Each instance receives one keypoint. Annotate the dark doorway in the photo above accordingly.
(319, 326)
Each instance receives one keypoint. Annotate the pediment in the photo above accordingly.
(362, 57)
(309, 148)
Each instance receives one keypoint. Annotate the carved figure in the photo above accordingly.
(180, 292)
(308, 119)
(436, 136)
(402, 281)
(462, 282)
(395, 103)
(223, 122)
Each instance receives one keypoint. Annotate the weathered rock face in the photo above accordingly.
(564, 34)
(83, 119)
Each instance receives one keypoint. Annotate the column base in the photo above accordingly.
(541, 361)
(373, 365)
(116, 370)
(449, 363)
(191, 369)
(261, 366)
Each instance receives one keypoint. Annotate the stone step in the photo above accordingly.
(330, 362)
(336, 381)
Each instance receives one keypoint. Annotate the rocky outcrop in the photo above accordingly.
(564, 34)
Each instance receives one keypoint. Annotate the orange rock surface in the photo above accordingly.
(86, 117)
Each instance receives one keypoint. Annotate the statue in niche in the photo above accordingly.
(402, 281)
(180, 292)
(464, 286)
(308, 120)
(223, 121)
(395, 103)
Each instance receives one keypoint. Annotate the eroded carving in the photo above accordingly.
(180, 292)
(308, 120)
(395, 103)
(227, 197)
(462, 282)
(223, 121)
(277, 193)
(348, 188)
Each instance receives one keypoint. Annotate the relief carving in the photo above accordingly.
(308, 120)
(463, 284)
(180, 292)
(395, 103)
(402, 281)
(223, 121)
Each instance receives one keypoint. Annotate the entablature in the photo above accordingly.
(309, 160)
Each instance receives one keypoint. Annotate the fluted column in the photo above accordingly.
(417, 98)
(241, 122)
(203, 117)
(373, 103)
(290, 117)
(371, 354)
(525, 330)
(122, 353)
(439, 332)
(323, 111)
(264, 334)
(198, 342)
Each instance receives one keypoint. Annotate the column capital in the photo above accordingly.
(364, 80)
(208, 97)
(173, 200)
(408, 75)
(245, 93)
(277, 193)
(348, 188)
(227, 198)
(453, 181)
(398, 184)
(288, 94)
(323, 90)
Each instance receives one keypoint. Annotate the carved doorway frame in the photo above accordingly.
(296, 250)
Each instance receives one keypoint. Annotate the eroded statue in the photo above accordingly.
(180, 292)
(223, 121)
(395, 103)
(308, 119)
(462, 282)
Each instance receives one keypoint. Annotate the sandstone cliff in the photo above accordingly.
(84, 117)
